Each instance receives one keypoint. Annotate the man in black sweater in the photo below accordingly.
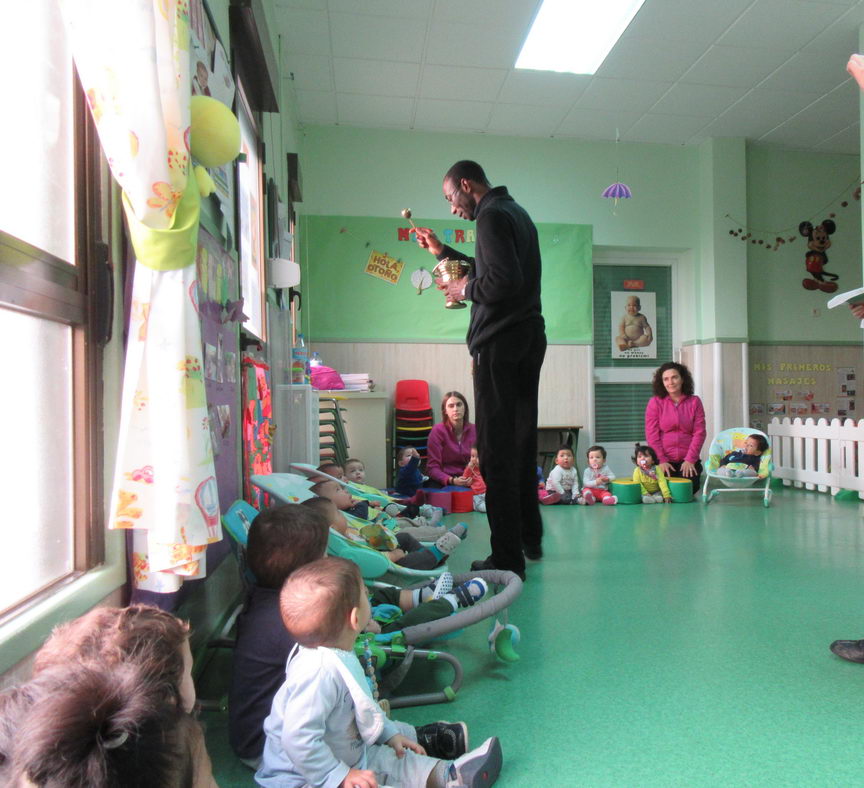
(507, 342)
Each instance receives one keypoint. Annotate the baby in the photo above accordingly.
(355, 476)
(401, 548)
(655, 488)
(563, 479)
(325, 727)
(634, 329)
(596, 478)
(746, 461)
(409, 478)
(478, 485)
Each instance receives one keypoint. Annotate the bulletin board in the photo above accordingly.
(219, 311)
(357, 280)
(804, 382)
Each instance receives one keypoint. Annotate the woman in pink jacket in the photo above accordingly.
(675, 423)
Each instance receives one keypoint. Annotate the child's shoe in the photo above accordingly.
(434, 514)
(393, 509)
(610, 500)
(589, 498)
(478, 768)
(549, 498)
(470, 592)
(648, 499)
(580, 500)
(444, 740)
(447, 543)
(442, 585)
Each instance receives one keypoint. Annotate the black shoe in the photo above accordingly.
(533, 553)
(851, 650)
(486, 564)
(444, 740)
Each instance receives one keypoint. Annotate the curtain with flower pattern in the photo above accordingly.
(133, 60)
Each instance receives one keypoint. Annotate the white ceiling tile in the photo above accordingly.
(374, 110)
(626, 93)
(542, 88)
(820, 120)
(596, 124)
(405, 9)
(703, 101)
(305, 32)
(735, 66)
(636, 57)
(461, 83)
(311, 72)
(377, 36)
(375, 77)
(316, 107)
(780, 24)
(517, 13)
(495, 45)
(685, 20)
(457, 115)
(675, 129)
(846, 141)
(811, 74)
(526, 121)
(758, 112)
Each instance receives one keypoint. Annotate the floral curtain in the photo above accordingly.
(133, 60)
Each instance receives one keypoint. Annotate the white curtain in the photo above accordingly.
(133, 60)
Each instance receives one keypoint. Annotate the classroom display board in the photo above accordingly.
(362, 280)
(803, 381)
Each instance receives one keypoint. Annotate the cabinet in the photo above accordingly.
(295, 412)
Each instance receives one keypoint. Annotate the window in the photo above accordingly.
(50, 300)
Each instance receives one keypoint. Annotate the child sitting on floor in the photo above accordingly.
(478, 485)
(355, 476)
(325, 728)
(130, 670)
(563, 479)
(280, 541)
(409, 478)
(402, 547)
(746, 461)
(596, 478)
(649, 474)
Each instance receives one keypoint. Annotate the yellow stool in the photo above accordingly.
(627, 490)
(681, 489)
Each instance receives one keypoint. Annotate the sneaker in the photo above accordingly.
(589, 498)
(470, 592)
(441, 585)
(648, 499)
(610, 500)
(550, 498)
(478, 768)
(486, 564)
(580, 500)
(444, 740)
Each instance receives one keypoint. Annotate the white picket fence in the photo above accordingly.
(819, 455)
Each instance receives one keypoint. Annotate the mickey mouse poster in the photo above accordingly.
(815, 259)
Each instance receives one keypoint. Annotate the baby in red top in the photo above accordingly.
(478, 486)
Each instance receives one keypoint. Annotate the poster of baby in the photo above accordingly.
(634, 317)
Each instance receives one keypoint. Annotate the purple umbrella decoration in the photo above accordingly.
(617, 191)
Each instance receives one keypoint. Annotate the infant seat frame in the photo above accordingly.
(724, 443)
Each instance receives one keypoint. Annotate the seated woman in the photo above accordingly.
(449, 444)
(675, 423)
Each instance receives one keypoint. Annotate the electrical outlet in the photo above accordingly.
(816, 312)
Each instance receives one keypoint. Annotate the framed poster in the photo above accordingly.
(250, 220)
(634, 320)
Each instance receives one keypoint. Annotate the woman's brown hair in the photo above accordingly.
(686, 379)
(444, 420)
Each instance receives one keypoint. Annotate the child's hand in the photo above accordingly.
(400, 743)
(603, 479)
(373, 627)
(667, 500)
(395, 555)
(375, 504)
(462, 481)
(414, 453)
(359, 778)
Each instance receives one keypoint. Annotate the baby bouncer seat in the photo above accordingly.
(724, 443)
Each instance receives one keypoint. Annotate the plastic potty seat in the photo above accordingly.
(627, 491)
(681, 489)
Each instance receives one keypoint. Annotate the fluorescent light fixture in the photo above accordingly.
(575, 36)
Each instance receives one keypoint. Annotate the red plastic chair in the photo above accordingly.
(412, 395)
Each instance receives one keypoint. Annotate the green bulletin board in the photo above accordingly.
(344, 304)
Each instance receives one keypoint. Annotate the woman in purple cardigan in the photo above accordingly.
(675, 423)
(449, 446)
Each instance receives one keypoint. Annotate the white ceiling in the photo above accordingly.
(684, 70)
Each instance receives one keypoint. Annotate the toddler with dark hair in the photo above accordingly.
(745, 461)
(649, 474)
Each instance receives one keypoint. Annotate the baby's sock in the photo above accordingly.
(610, 500)
(434, 514)
(448, 542)
(394, 509)
(437, 589)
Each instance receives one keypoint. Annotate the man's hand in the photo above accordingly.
(400, 743)
(855, 67)
(455, 290)
(427, 239)
(857, 310)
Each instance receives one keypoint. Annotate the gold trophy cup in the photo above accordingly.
(449, 271)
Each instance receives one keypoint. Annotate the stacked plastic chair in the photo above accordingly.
(333, 440)
(414, 418)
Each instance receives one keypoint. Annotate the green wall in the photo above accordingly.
(343, 303)
(785, 188)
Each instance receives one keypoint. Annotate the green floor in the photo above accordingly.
(670, 645)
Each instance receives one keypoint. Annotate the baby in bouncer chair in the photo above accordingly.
(746, 461)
